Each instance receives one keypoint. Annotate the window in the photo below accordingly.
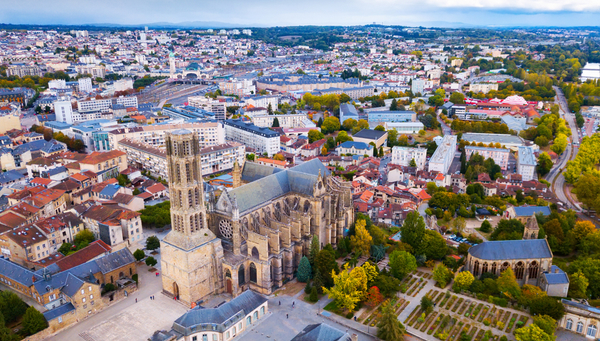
(91, 297)
(84, 306)
(569, 324)
(194, 338)
(240, 326)
(82, 292)
(579, 327)
(591, 330)
(215, 338)
(227, 335)
(248, 320)
(83, 300)
(60, 319)
(90, 288)
(204, 337)
(262, 311)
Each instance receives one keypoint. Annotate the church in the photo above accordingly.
(251, 236)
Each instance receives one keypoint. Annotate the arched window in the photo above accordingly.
(227, 273)
(579, 327)
(519, 270)
(494, 268)
(591, 330)
(476, 269)
(252, 273)
(241, 275)
(255, 253)
(569, 324)
(248, 320)
(255, 315)
(533, 270)
(484, 268)
(504, 266)
(262, 311)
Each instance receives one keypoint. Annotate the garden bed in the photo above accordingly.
(450, 302)
(428, 320)
(439, 320)
(511, 323)
(483, 313)
(476, 311)
(460, 301)
(464, 306)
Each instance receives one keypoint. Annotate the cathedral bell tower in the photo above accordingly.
(191, 253)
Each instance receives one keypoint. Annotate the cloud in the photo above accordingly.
(510, 5)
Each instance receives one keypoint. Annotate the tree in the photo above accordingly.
(361, 241)
(280, 157)
(413, 230)
(139, 255)
(330, 124)
(548, 306)
(11, 306)
(463, 280)
(33, 321)
(389, 328)
(83, 239)
(375, 151)
(371, 272)
(325, 263)
(380, 128)
(349, 287)
(486, 226)
(402, 263)
(342, 137)
(546, 323)
(304, 270)
(459, 224)
(442, 275)
(457, 98)
(463, 248)
(582, 228)
(349, 124)
(590, 267)
(433, 245)
(314, 249)
(412, 163)
(394, 105)
(374, 297)
(314, 135)
(426, 304)
(578, 285)
(560, 144)
(532, 333)
(152, 243)
(507, 284)
(544, 164)
(588, 189)
(150, 261)
(275, 122)
(270, 109)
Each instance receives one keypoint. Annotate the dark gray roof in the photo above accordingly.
(10, 176)
(17, 273)
(512, 249)
(581, 306)
(300, 179)
(115, 260)
(556, 276)
(370, 134)
(248, 126)
(72, 285)
(58, 311)
(242, 305)
(57, 170)
(253, 171)
(321, 332)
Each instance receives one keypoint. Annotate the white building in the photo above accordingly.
(85, 84)
(240, 87)
(123, 84)
(64, 110)
(215, 106)
(264, 101)
(285, 121)
(261, 139)
(405, 127)
(403, 156)
(105, 104)
(418, 86)
(483, 87)
(499, 155)
(526, 163)
(444, 154)
(57, 84)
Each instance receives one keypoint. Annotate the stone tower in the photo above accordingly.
(191, 253)
(236, 175)
(531, 229)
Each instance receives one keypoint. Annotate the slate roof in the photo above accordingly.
(253, 171)
(245, 303)
(578, 305)
(357, 145)
(58, 311)
(370, 134)
(511, 249)
(556, 276)
(321, 332)
(528, 211)
(9, 176)
(300, 179)
(16, 272)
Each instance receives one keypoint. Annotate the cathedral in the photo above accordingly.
(252, 235)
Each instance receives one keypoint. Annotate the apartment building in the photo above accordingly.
(23, 70)
(237, 87)
(391, 116)
(94, 70)
(209, 134)
(526, 163)
(113, 225)
(106, 104)
(215, 106)
(499, 155)
(285, 121)
(260, 139)
(404, 155)
(483, 87)
(85, 84)
(264, 101)
(444, 154)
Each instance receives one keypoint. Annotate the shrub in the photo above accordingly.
(486, 322)
(139, 255)
(349, 315)
(314, 297)
(135, 278)
(307, 288)
(108, 287)
(150, 261)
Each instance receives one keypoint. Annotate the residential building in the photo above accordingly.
(260, 139)
(347, 111)
(64, 110)
(113, 225)
(404, 155)
(526, 163)
(354, 148)
(10, 121)
(263, 102)
(418, 86)
(391, 116)
(23, 70)
(215, 106)
(483, 87)
(499, 155)
(444, 154)
(581, 319)
(285, 121)
(405, 127)
(105, 104)
(367, 136)
(85, 84)
(506, 140)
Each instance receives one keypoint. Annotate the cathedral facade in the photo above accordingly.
(251, 236)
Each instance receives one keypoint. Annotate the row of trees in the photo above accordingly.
(479, 127)
(72, 143)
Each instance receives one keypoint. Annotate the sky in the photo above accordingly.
(306, 12)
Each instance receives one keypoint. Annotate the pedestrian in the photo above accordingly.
(287, 316)
(279, 302)
(136, 300)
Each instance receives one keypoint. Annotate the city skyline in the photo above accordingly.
(489, 13)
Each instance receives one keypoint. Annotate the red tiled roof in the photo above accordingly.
(41, 181)
(84, 255)
(156, 188)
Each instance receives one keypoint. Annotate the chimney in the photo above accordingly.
(556, 270)
(354, 337)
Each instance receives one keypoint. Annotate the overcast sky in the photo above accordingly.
(307, 12)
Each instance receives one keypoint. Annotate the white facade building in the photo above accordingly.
(403, 155)
(64, 110)
(57, 84)
(526, 163)
(261, 139)
(264, 101)
(85, 84)
(444, 154)
(105, 104)
(405, 127)
(285, 121)
(209, 104)
(499, 155)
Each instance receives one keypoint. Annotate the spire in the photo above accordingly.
(236, 175)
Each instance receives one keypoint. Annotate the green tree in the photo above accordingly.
(349, 124)
(313, 297)
(426, 304)
(314, 135)
(33, 321)
(304, 270)
(560, 144)
(389, 328)
(314, 249)
(442, 275)
(139, 255)
(152, 243)
(402, 263)
(413, 230)
(150, 261)
(349, 287)
(361, 241)
(325, 263)
(433, 245)
(532, 333)
(546, 323)
(544, 164)
(547, 305)
(380, 128)
(330, 125)
(590, 267)
(507, 284)
(457, 98)
(275, 123)
(11, 306)
(412, 163)
(83, 239)
(486, 226)
(394, 105)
